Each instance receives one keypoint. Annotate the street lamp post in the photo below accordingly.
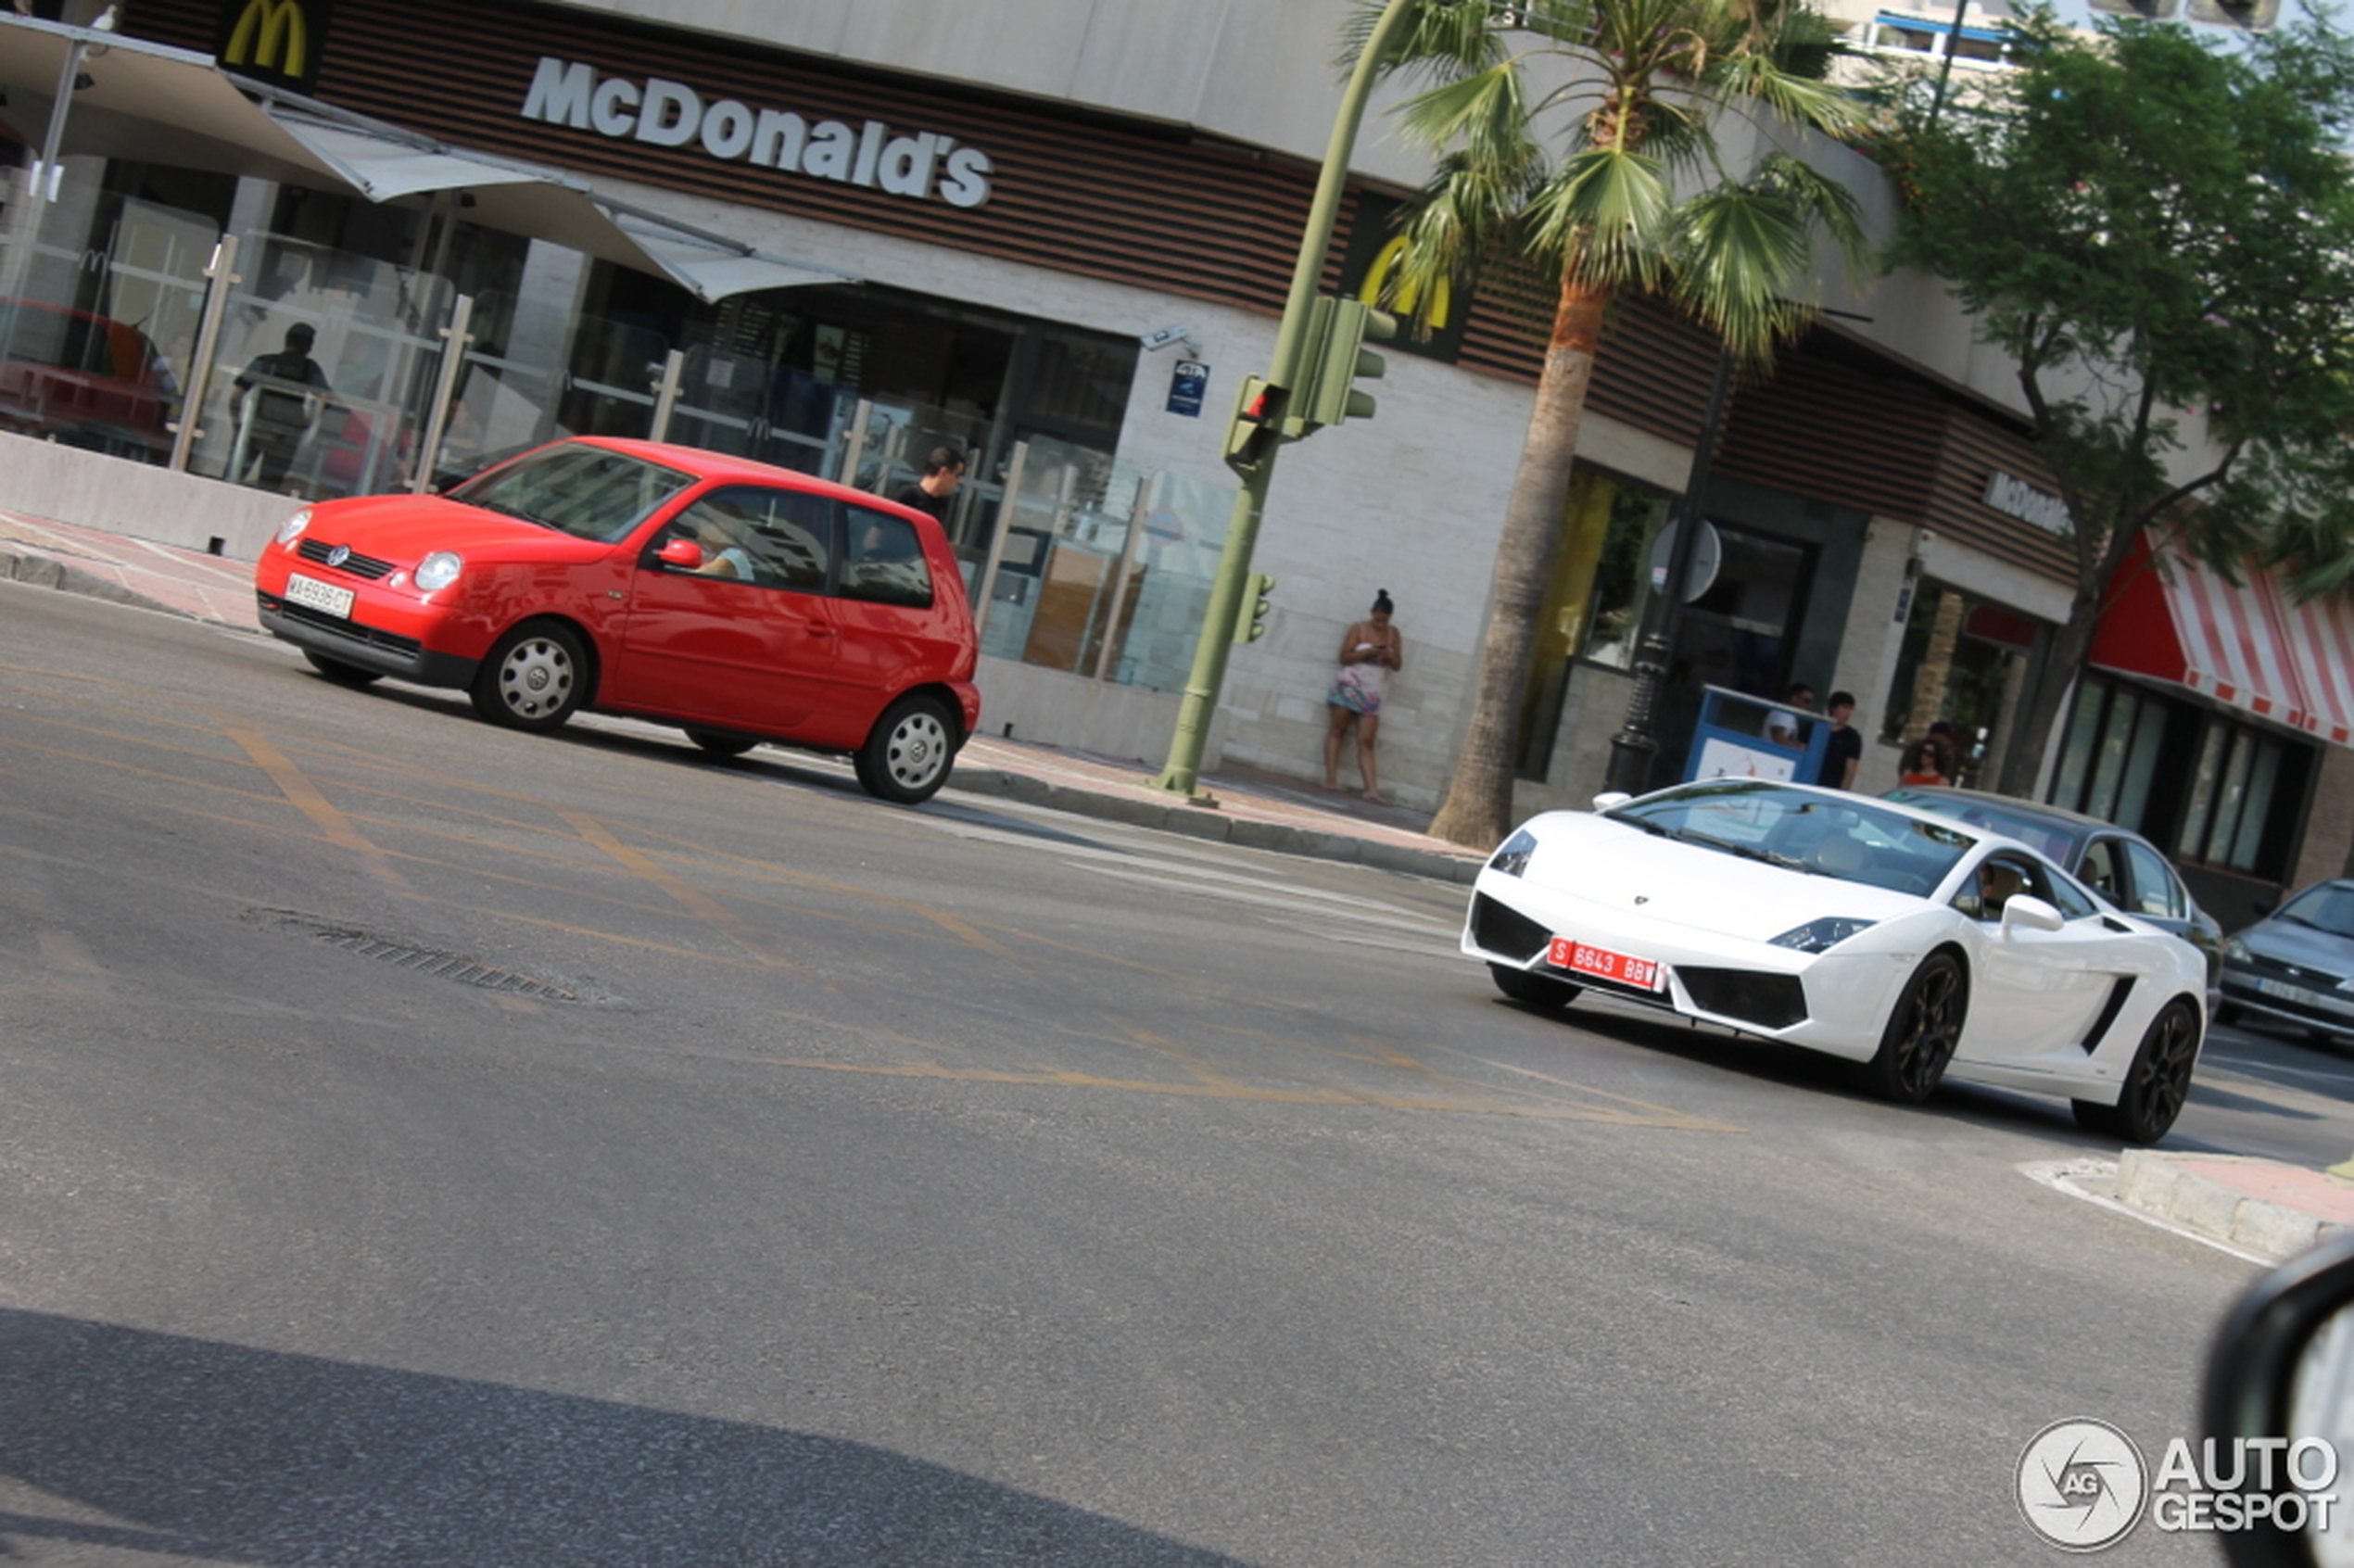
(1632, 749)
(1181, 776)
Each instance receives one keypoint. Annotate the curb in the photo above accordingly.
(2155, 1184)
(44, 570)
(1194, 822)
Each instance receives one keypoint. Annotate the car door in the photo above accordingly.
(745, 640)
(2039, 1000)
(895, 633)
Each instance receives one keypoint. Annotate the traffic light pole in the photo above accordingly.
(1181, 776)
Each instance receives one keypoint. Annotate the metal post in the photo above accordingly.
(1005, 499)
(455, 337)
(674, 365)
(223, 271)
(1136, 515)
(854, 448)
(41, 189)
(1182, 774)
(1952, 43)
(1633, 747)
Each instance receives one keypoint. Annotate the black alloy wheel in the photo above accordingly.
(1923, 1029)
(2156, 1085)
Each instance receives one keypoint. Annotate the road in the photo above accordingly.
(428, 1144)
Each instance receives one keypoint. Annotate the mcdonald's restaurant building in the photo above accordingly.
(835, 237)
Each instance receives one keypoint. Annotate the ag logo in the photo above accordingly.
(2082, 1485)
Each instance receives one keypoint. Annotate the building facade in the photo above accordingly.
(836, 237)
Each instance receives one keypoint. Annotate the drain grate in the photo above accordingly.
(444, 966)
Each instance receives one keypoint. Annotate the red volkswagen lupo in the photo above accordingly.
(740, 601)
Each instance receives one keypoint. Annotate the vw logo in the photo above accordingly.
(338, 555)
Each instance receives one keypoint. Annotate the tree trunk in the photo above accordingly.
(1479, 808)
(2047, 688)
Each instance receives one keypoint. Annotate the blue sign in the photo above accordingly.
(1186, 385)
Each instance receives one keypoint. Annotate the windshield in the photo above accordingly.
(2327, 908)
(585, 492)
(2044, 836)
(1846, 838)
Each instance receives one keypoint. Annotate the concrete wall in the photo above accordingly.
(66, 485)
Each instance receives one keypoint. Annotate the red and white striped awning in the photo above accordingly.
(2245, 644)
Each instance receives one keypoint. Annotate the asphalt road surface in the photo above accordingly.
(426, 1143)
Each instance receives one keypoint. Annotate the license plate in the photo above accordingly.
(1583, 959)
(2284, 990)
(312, 594)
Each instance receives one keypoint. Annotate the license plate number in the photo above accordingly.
(1584, 958)
(2283, 989)
(312, 594)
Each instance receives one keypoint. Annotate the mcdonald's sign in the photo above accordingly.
(278, 42)
(1366, 267)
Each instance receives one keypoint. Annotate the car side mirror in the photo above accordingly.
(683, 553)
(2281, 1368)
(1610, 797)
(2027, 910)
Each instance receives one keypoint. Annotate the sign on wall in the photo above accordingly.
(1187, 382)
(277, 42)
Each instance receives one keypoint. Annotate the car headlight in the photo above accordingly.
(437, 571)
(2235, 950)
(291, 529)
(1511, 859)
(1817, 935)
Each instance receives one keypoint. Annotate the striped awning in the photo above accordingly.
(2245, 643)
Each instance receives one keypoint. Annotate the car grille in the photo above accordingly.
(1500, 929)
(1766, 999)
(350, 631)
(2298, 974)
(358, 565)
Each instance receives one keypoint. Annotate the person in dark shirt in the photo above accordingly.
(1845, 748)
(943, 471)
(289, 392)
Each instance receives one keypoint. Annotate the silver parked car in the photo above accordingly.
(2296, 964)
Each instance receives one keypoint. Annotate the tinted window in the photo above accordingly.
(776, 539)
(885, 561)
(1846, 838)
(2003, 877)
(2155, 891)
(2103, 870)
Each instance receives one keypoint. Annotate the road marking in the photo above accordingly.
(692, 899)
(296, 787)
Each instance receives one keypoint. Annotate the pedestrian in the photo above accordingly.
(291, 395)
(1369, 651)
(1923, 763)
(1781, 728)
(1845, 749)
(943, 471)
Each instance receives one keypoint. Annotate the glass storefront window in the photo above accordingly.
(1958, 658)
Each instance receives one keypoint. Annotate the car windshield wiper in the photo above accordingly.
(505, 511)
(1646, 825)
(1747, 852)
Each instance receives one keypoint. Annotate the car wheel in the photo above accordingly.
(722, 745)
(2156, 1085)
(341, 673)
(907, 757)
(1538, 991)
(1923, 1029)
(534, 679)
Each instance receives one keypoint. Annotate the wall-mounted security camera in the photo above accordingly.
(1153, 342)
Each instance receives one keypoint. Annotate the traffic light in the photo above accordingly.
(1336, 360)
(1258, 412)
(1251, 615)
(2254, 16)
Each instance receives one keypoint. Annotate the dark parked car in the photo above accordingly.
(2124, 869)
(2296, 964)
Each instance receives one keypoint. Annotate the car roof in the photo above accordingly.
(705, 463)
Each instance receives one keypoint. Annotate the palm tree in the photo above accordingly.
(1641, 200)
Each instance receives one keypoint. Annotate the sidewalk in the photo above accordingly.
(2261, 1210)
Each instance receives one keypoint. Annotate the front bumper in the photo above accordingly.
(2246, 987)
(366, 647)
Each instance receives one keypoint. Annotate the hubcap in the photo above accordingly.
(917, 748)
(536, 680)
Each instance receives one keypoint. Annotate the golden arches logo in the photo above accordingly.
(271, 36)
(1442, 295)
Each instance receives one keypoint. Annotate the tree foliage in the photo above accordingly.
(1586, 138)
(2157, 230)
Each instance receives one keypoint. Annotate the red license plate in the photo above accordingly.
(1586, 959)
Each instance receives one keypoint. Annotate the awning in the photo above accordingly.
(2243, 643)
(163, 105)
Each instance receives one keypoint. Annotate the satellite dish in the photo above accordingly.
(1700, 570)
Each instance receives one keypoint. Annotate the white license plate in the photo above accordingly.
(2284, 990)
(1584, 958)
(312, 594)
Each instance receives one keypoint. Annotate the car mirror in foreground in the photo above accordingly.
(2280, 1379)
(684, 554)
(2025, 909)
(1610, 797)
